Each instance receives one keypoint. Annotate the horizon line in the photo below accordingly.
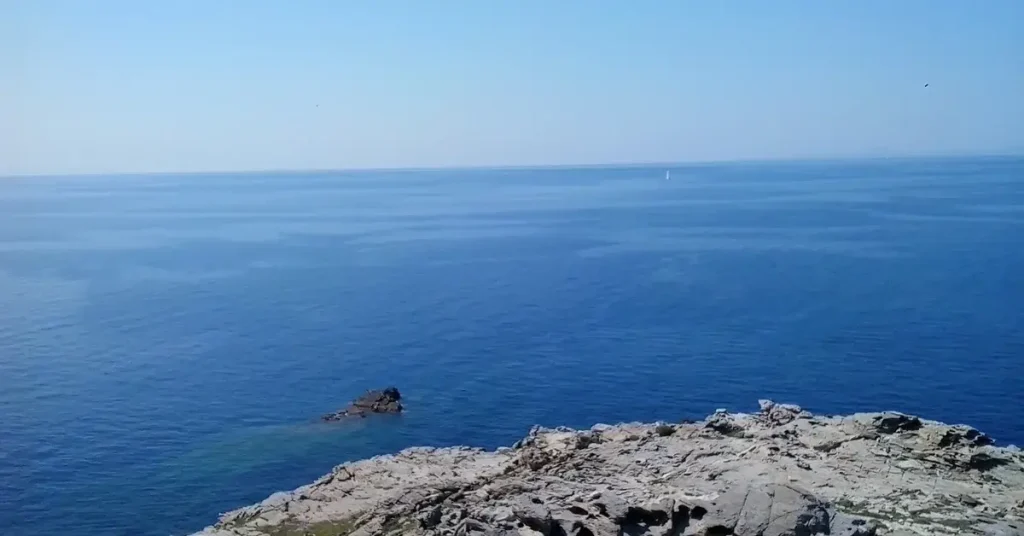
(499, 167)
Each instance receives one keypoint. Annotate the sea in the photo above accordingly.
(168, 342)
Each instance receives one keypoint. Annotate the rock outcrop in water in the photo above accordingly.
(779, 472)
(376, 401)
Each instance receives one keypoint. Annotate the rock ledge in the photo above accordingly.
(779, 472)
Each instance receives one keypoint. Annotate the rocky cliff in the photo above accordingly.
(781, 471)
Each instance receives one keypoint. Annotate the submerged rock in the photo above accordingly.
(375, 401)
(778, 472)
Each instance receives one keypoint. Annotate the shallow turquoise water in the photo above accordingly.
(167, 342)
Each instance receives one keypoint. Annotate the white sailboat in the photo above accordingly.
(668, 174)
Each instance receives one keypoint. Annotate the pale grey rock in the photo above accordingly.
(756, 513)
(778, 472)
(779, 414)
(612, 506)
(1002, 529)
(846, 525)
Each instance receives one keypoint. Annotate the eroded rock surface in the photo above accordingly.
(779, 472)
(376, 401)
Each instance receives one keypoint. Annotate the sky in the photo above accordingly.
(107, 86)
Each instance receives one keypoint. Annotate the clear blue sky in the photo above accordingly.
(179, 85)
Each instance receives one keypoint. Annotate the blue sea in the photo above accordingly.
(167, 342)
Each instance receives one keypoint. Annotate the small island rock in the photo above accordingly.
(375, 401)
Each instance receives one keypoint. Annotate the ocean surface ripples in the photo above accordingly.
(167, 342)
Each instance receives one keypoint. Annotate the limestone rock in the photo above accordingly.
(778, 472)
(724, 423)
(779, 414)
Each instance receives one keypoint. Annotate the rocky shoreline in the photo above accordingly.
(778, 472)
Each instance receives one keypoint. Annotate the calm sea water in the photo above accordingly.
(167, 342)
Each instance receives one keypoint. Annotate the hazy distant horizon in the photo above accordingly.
(486, 167)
